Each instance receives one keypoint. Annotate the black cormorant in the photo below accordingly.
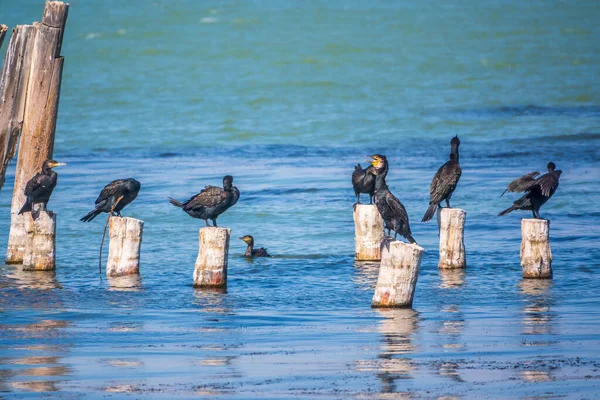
(116, 194)
(537, 191)
(40, 187)
(392, 211)
(211, 202)
(444, 181)
(251, 251)
(363, 181)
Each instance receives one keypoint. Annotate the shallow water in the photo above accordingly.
(287, 99)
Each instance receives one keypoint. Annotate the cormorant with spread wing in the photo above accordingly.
(211, 202)
(251, 251)
(537, 190)
(39, 188)
(444, 181)
(391, 209)
(114, 197)
(363, 181)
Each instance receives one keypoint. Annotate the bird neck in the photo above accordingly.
(227, 186)
(46, 170)
(249, 249)
(454, 153)
(380, 179)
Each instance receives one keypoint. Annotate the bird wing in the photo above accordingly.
(547, 184)
(210, 196)
(396, 207)
(521, 184)
(109, 190)
(444, 180)
(358, 174)
(33, 184)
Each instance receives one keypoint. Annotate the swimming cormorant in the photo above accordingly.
(363, 181)
(251, 251)
(211, 202)
(40, 187)
(391, 209)
(444, 181)
(537, 191)
(116, 194)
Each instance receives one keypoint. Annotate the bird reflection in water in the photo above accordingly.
(537, 323)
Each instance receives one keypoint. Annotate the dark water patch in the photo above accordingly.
(531, 111)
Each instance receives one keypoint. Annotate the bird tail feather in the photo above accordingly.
(91, 215)
(26, 208)
(411, 239)
(176, 203)
(509, 209)
(430, 212)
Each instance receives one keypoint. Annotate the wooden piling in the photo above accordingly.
(398, 275)
(452, 245)
(40, 247)
(39, 117)
(536, 255)
(211, 264)
(124, 249)
(13, 88)
(368, 232)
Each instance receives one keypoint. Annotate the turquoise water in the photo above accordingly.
(287, 97)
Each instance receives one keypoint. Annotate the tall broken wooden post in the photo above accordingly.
(368, 232)
(39, 117)
(452, 245)
(13, 90)
(536, 256)
(211, 264)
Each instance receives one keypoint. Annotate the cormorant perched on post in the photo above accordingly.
(211, 202)
(40, 187)
(444, 181)
(114, 197)
(537, 191)
(251, 251)
(392, 211)
(363, 181)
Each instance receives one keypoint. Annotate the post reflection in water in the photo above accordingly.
(38, 280)
(452, 278)
(367, 274)
(394, 362)
(537, 323)
(129, 283)
(452, 323)
(212, 300)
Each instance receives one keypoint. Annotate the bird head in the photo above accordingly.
(455, 141)
(378, 161)
(248, 239)
(52, 164)
(551, 166)
(227, 182)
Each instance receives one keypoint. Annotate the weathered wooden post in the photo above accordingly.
(39, 117)
(211, 264)
(13, 88)
(536, 256)
(398, 274)
(368, 232)
(40, 248)
(124, 249)
(452, 245)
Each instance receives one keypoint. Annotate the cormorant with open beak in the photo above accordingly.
(251, 251)
(39, 188)
(363, 181)
(537, 191)
(444, 181)
(114, 197)
(211, 202)
(391, 209)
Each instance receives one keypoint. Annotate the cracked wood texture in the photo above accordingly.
(40, 245)
(536, 256)
(398, 274)
(39, 117)
(452, 244)
(125, 244)
(211, 265)
(368, 232)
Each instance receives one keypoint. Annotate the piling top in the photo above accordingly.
(398, 243)
(534, 221)
(456, 210)
(215, 229)
(128, 218)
